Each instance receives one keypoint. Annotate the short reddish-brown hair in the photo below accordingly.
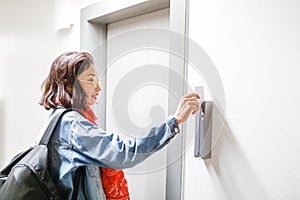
(62, 83)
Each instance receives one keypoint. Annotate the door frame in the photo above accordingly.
(93, 29)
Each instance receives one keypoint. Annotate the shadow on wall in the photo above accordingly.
(2, 139)
(231, 172)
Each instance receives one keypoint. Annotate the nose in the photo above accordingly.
(98, 88)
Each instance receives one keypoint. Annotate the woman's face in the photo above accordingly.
(89, 82)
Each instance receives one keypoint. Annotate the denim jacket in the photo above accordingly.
(78, 142)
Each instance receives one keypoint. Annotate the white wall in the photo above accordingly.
(28, 45)
(255, 46)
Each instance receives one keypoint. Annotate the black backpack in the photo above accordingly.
(27, 176)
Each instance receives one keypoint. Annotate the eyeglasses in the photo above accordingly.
(95, 81)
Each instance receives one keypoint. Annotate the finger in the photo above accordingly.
(189, 104)
(193, 95)
(193, 103)
(193, 99)
(193, 106)
(184, 101)
(196, 109)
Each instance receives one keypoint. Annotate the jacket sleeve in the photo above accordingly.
(92, 145)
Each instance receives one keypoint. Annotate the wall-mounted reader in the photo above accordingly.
(203, 127)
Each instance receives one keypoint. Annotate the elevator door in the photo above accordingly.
(147, 103)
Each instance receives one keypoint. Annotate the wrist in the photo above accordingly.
(178, 120)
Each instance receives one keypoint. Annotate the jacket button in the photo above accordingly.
(176, 130)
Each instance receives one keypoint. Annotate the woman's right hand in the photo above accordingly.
(188, 104)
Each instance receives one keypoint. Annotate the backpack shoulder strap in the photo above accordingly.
(52, 124)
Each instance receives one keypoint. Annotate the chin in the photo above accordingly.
(92, 102)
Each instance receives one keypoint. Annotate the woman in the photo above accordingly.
(78, 141)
